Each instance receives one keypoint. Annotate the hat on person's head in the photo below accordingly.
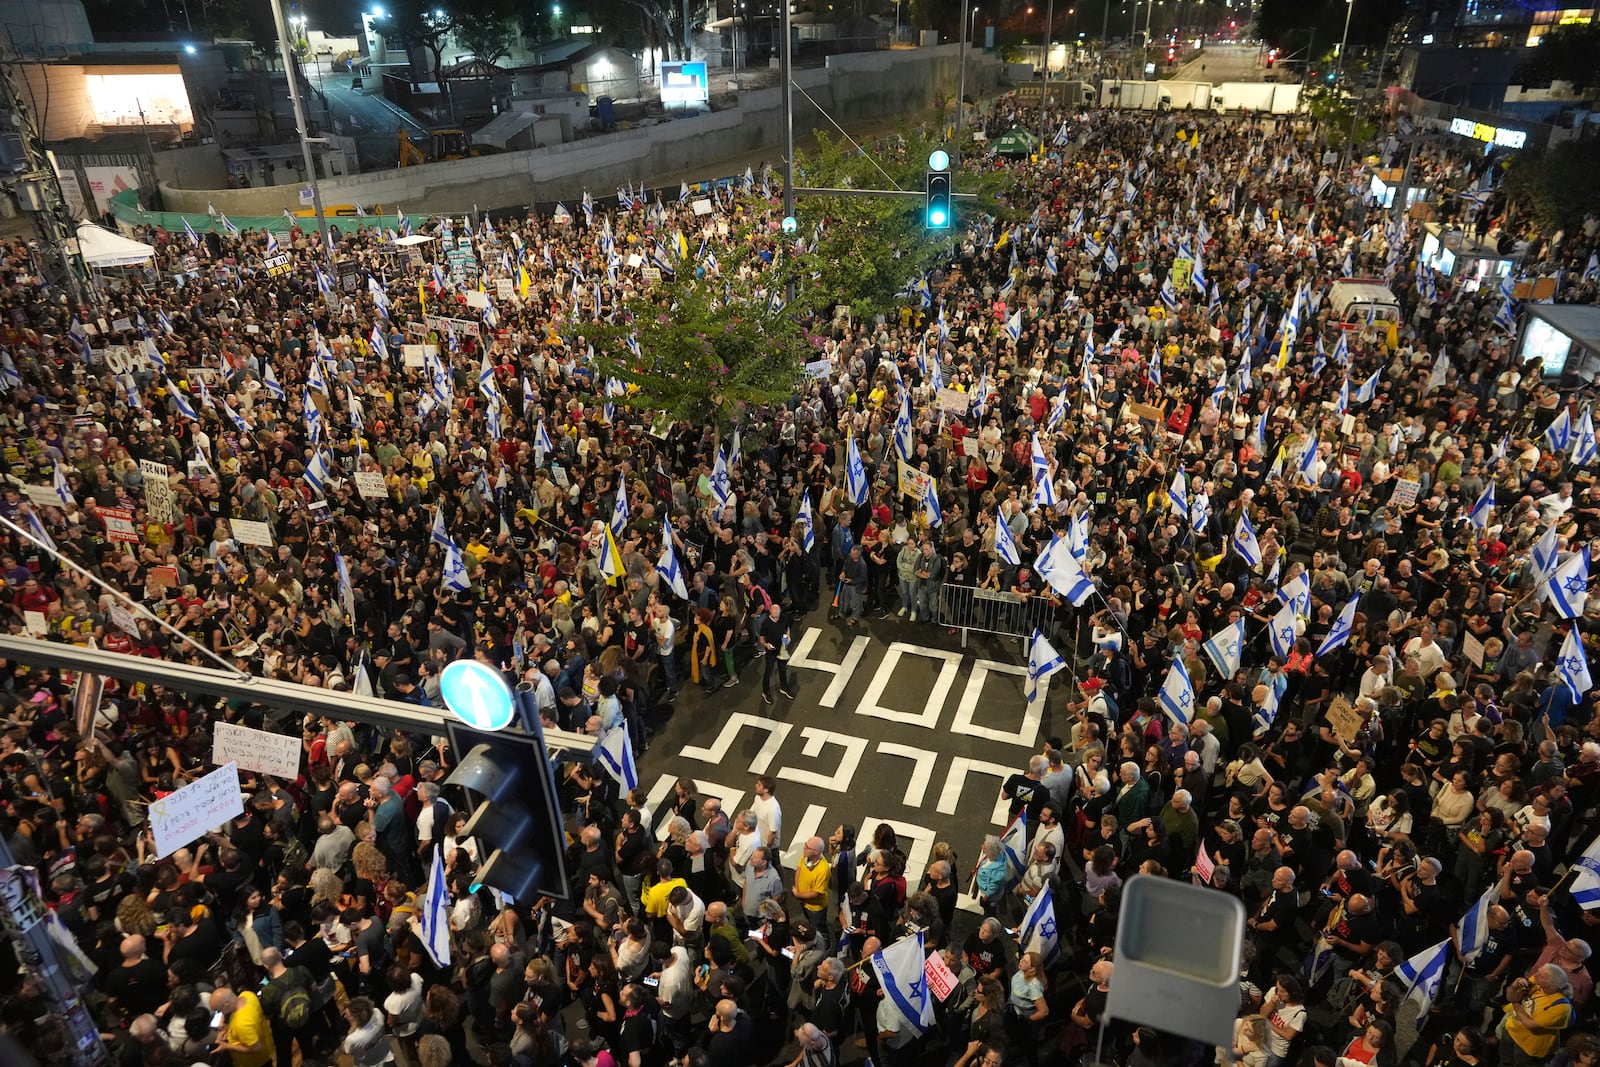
(1092, 683)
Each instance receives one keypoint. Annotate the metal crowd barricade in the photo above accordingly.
(991, 611)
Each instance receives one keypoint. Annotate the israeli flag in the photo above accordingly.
(316, 378)
(1262, 718)
(436, 911)
(667, 565)
(614, 752)
(1014, 325)
(1066, 576)
(1344, 395)
(1044, 488)
(62, 490)
(1339, 634)
(1004, 547)
(1478, 514)
(1260, 434)
(1544, 556)
(1038, 932)
(237, 419)
(1259, 223)
(1585, 884)
(317, 473)
(1572, 666)
(1226, 648)
(1043, 661)
(1559, 435)
(1169, 295)
(619, 513)
(1281, 632)
(227, 224)
(1583, 442)
(270, 380)
(541, 443)
(454, 575)
(1591, 270)
(1297, 594)
(1155, 367)
(1078, 536)
(1341, 350)
(1179, 495)
(1568, 589)
(931, 511)
(1220, 389)
(721, 479)
(1369, 388)
(1177, 692)
(1472, 932)
(1308, 462)
(903, 440)
(1014, 846)
(312, 416)
(855, 473)
(438, 534)
(808, 539)
(194, 238)
(1422, 974)
(901, 972)
(185, 408)
(1244, 541)
(379, 297)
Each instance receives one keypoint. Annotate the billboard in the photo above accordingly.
(684, 83)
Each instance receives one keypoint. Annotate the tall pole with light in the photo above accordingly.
(961, 82)
(1044, 88)
(289, 71)
(1338, 75)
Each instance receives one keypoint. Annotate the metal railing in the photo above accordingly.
(991, 611)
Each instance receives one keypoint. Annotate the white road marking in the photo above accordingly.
(956, 780)
(839, 781)
(921, 774)
(777, 733)
(928, 717)
(800, 656)
(1026, 735)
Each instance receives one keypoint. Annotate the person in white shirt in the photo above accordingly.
(1204, 743)
(769, 815)
(1425, 651)
(1554, 505)
(747, 840)
(1376, 676)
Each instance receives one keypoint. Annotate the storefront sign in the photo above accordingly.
(1499, 136)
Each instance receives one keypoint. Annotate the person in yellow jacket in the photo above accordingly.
(1537, 1010)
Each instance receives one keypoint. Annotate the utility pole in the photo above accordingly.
(291, 71)
(786, 72)
(961, 82)
(1044, 88)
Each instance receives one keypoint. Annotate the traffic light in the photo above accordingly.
(938, 211)
(517, 821)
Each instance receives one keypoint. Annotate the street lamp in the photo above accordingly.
(1338, 75)
(961, 83)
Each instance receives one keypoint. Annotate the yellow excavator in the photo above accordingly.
(442, 145)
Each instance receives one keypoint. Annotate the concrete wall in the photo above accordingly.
(869, 85)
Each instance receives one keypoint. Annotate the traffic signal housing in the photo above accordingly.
(517, 818)
(938, 212)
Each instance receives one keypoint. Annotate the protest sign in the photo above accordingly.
(196, 809)
(256, 750)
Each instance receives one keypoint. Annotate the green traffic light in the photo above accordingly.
(937, 217)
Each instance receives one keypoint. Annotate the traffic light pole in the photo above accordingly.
(870, 194)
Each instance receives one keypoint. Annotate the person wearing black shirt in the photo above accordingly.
(1273, 925)
(640, 1023)
(985, 950)
(1026, 790)
(773, 637)
(139, 985)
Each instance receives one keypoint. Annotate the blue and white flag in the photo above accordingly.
(1297, 594)
(1200, 512)
(1014, 846)
(1244, 541)
(1178, 493)
(180, 402)
(1280, 631)
(1591, 270)
(1004, 546)
(1369, 388)
(317, 473)
(347, 595)
(1583, 442)
(438, 534)
(1154, 370)
(1585, 883)
(901, 972)
(721, 479)
(808, 539)
(1572, 666)
(619, 513)
(667, 565)
(1478, 514)
(1044, 487)
(1065, 575)
(270, 380)
(855, 473)
(194, 238)
(1261, 719)
(903, 439)
(1472, 932)
(237, 419)
(1568, 589)
(541, 441)
(436, 911)
(1038, 931)
(59, 484)
(614, 752)
(1544, 556)
(1014, 325)
(1558, 435)
(454, 574)
(1421, 975)
(1043, 661)
(1340, 631)
(1177, 692)
(1226, 648)
(932, 513)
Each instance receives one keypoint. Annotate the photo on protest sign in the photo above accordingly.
(200, 807)
(256, 750)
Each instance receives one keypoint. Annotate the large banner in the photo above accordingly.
(195, 810)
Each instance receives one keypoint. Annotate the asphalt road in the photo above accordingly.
(892, 722)
(1224, 63)
(365, 115)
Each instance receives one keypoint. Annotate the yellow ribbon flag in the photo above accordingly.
(422, 296)
(610, 559)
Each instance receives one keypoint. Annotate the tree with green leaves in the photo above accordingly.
(1556, 186)
(420, 24)
(486, 30)
(1566, 53)
(862, 252)
(713, 346)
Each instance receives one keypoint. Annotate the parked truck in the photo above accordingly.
(1134, 95)
(1262, 97)
(1187, 96)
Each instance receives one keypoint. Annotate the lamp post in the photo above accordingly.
(1044, 87)
(1338, 70)
(961, 82)
(289, 70)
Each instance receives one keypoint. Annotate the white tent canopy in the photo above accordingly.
(103, 248)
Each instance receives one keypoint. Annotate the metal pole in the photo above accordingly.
(961, 82)
(291, 71)
(1338, 76)
(786, 71)
(1105, 28)
(1044, 89)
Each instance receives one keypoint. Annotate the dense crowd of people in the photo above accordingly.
(1359, 795)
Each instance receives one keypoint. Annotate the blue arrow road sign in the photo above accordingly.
(477, 693)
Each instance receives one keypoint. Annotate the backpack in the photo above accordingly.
(294, 1011)
(295, 854)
